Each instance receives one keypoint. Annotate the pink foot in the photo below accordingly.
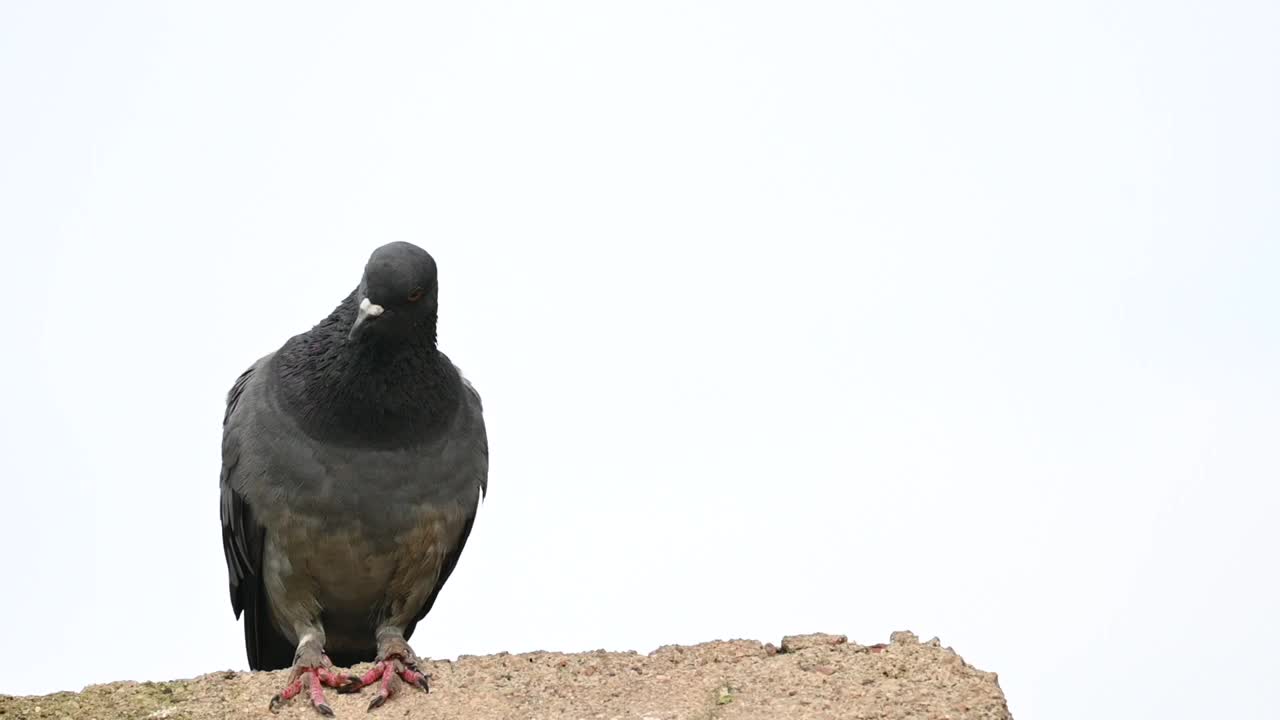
(384, 673)
(317, 678)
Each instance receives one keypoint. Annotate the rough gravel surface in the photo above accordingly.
(805, 676)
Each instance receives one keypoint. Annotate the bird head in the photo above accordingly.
(397, 295)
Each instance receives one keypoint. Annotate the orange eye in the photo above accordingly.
(416, 295)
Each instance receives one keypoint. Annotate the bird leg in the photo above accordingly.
(395, 662)
(311, 664)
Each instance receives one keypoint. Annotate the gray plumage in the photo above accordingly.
(353, 459)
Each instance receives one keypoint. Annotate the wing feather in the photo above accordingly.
(242, 541)
(451, 558)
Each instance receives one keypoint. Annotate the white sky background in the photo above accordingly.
(852, 317)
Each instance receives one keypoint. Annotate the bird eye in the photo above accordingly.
(416, 295)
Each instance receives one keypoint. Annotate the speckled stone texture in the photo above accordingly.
(805, 676)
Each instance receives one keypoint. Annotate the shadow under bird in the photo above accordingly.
(353, 460)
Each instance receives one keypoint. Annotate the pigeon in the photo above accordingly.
(354, 458)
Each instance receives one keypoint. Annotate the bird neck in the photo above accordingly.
(367, 394)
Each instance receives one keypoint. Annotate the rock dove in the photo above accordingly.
(353, 461)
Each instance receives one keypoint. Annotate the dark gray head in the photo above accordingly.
(397, 295)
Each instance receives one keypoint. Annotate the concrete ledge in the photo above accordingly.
(804, 676)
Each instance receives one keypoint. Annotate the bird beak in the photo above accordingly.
(367, 310)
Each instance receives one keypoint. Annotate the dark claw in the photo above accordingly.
(422, 683)
(324, 709)
(353, 685)
(376, 702)
(276, 703)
